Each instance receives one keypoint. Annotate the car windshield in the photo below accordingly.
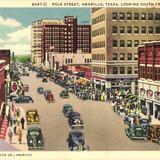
(77, 136)
(138, 128)
(75, 114)
(34, 133)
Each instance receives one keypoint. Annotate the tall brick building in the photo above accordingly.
(60, 36)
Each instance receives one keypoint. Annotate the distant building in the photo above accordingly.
(60, 36)
(5, 55)
(149, 77)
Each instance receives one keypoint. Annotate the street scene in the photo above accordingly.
(85, 85)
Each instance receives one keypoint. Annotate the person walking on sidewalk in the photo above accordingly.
(22, 122)
(18, 121)
(19, 134)
(18, 112)
(10, 135)
(15, 128)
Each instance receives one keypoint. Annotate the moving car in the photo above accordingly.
(136, 132)
(23, 99)
(67, 108)
(32, 117)
(46, 92)
(40, 90)
(44, 79)
(64, 94)
(76, 141)
(50, 97)
(35, 138)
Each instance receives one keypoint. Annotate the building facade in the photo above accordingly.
(5, 55)
(60, 36)
(149, 77)
(116, 33)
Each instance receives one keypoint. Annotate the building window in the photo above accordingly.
(114, 29)
(129, 29)
(158, 30)
(122, 70)
(136, 30)
(114, 43)
(114, 15)
(114, 56)
(122, 56)
(135, 70)
(143, 30)
(136, 16)
(115, 70)
(150, 30)
(122, 43)
(150, 16)
(129, 55)
(157, 16)
(129, 43)
(129, 16)
(136, 43)
(121, 29)
(121, 16)
(143, 16)
(129, 70)
(136, 56)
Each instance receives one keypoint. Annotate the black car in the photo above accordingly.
(76, 141)
(73, 114)
(44, 79)
(23, 99)
(35, 138)
(67, 108)
(12, 97)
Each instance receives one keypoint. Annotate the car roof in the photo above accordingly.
(75, 133)
(33, 110)
(74, 113)
(67, 106)
(35, 128)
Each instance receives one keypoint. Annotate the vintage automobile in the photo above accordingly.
(145, 122)
(46, 92)
(136, 132)
(35, 138)
(127, 118)
(67, 108)
(13, 96)
(64, 94)
(44, 79)
(23, 99)
(76, 141)
(40, 90)
(50, 97)
(153, 133)
(32, 117)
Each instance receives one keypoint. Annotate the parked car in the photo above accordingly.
(40, 90)
(76, 141)
(153, 133)
(136, 132)
(23, 99)
(127, 118)
(32, 117)
(50, 97)
(145, 122)
(64, 94)
(67, 108)
(11, 97)
(35, 138)
(44, 79)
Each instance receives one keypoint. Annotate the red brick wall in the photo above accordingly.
(2, 83)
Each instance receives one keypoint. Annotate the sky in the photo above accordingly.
(15, 24)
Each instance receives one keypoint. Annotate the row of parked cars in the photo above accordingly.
(75, 138)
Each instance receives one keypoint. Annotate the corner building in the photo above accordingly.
(116, 33)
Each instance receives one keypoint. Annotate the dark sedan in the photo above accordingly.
(23, 99)
(76, 141)
(67, 108)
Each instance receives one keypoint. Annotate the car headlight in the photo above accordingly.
(39, 141)
(30, 141)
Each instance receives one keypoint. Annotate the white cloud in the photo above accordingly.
(10, 22)
(1, 41)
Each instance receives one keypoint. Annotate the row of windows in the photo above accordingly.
(98, 44)
(136, 29)
(127, 43)
(98, 19)
(135, 16)
(98, 32)
(100, 70)
(68, 60)
(83, 29)
(123, 56)
(123, 70)
(87, 60)
(98, 57)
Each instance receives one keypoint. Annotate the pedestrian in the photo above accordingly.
(10, 135)
(15, 129)
(18, 121)
(18, 112)
(19, 134)
(22, 122)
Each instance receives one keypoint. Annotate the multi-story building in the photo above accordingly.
(5, 55)
(116, 33)
(149, 77)
(62, 36)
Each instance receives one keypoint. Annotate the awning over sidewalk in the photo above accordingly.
(4, 146)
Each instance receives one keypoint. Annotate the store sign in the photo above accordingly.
(142, 92)
(149, 93)
(157, 96)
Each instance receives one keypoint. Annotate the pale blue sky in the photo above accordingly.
(15, 24)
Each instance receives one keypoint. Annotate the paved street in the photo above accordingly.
(103, 130)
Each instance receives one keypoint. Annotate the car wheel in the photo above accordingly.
(30, 101)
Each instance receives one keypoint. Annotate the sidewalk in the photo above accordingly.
(15, 143)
